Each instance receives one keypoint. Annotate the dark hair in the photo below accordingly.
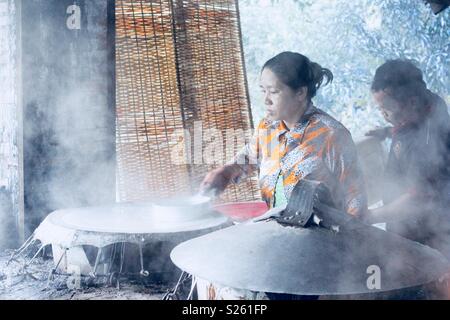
(402, 80)
(296, 71)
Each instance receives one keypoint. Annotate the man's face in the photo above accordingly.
(282, 103)
(390, 108)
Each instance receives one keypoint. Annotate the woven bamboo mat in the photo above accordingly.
(179, 67)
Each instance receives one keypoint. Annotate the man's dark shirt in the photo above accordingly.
(418, 162)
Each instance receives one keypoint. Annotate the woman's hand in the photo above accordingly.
(218, 179)
(380, 133)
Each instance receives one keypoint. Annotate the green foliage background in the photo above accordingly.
(352, 38)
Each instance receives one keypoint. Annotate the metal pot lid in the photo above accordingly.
(265, 256)
(134, 218)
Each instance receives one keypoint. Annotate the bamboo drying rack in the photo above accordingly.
(177, 63)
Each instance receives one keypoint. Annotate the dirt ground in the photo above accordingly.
(15, 284)
(33, 285)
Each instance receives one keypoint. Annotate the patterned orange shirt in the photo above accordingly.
(317, 148)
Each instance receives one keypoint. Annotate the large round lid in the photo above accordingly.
(269, 257)
(135, 218)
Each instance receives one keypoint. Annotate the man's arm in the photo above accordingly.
(403, 208)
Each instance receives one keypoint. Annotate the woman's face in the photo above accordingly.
(390, 108)
(282, 103)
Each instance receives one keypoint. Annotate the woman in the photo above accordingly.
(296, 140)
(417, 175)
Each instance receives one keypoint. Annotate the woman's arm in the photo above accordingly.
(218, 179)
(342, 160)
